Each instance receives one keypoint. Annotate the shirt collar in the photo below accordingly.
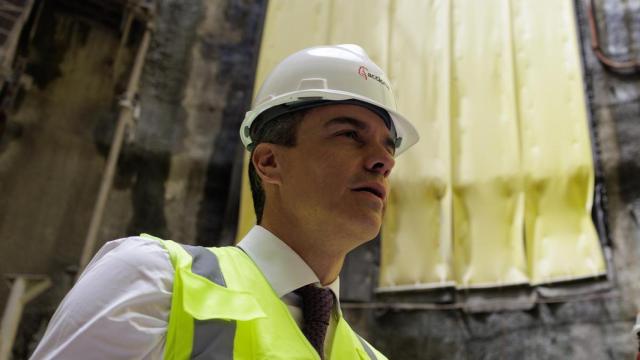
(283, 268)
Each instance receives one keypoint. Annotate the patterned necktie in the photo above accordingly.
(316, 309)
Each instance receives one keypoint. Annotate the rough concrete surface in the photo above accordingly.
(178, 173)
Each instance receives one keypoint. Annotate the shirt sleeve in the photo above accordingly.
(119, 307)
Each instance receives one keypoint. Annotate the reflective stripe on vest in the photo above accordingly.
(367, 348)
(212, 339)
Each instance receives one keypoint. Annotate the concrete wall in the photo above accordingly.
(178, 178)
(177, 166)
(50, 165)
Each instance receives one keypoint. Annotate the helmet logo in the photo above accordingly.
(362, 71)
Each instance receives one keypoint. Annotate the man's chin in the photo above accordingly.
(364, 230)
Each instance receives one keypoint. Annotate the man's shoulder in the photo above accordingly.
(133, 243)
(125, 294)
(145, 251)
(139, 253)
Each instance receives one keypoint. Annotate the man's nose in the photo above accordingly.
(380, 160)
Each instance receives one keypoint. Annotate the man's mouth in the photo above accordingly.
(373, 188)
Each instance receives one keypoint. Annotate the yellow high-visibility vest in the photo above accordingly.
(223, 308)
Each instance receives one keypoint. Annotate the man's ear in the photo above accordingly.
(266, 164)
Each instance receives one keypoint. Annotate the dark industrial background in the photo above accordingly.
(178, 175)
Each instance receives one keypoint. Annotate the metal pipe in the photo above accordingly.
(36, 21)
(460, 305)
(7, 6)
(124, 121)
(36, 290)
(21, 293)
(123, 42)
(13, 35)
(11, 317)
(633, 65)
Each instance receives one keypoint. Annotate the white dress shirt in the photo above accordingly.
(119, 308)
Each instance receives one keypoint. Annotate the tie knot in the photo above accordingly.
(316, 308)
(316, 297)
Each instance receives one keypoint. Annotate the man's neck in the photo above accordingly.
(310, 245)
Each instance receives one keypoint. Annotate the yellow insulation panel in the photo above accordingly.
(416, 246)
(561, 239)
(499, 189)
(487, 191)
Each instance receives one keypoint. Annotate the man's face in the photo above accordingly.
(336, 177)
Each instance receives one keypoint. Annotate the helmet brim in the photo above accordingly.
(407, 134)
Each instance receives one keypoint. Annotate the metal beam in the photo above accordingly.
(24, 289)
(124, 122)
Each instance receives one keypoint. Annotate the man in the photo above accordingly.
(323, 134)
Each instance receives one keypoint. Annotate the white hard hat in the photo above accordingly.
(317, 75)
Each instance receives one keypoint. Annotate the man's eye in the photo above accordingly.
(350, 134)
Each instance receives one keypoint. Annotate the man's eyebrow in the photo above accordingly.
(346, 120)
(389, 142)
